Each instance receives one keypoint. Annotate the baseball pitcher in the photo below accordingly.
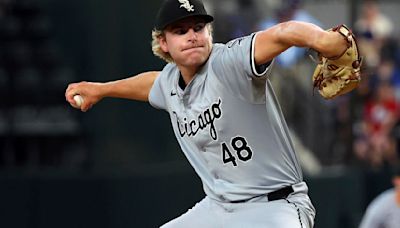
(225, 115)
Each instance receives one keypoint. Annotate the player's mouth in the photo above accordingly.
(192, 48)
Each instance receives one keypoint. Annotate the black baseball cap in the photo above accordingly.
(173, 10)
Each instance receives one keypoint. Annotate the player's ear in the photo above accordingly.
(163, 43)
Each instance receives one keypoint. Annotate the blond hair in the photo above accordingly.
(156, 48)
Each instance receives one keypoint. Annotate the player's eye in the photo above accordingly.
(180, 31)
(199, 27)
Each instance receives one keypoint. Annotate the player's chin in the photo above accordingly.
(194, 59)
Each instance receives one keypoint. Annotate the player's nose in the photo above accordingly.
(192, 35)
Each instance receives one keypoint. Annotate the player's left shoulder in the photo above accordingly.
(240, 41)
(217, 48)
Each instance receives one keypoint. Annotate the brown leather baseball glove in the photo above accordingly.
(335, 77)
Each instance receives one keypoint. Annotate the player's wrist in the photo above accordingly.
(101, 89)
(329, 45)
(340, 45)
(333, 45)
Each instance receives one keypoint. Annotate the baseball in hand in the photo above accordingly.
(78, 100)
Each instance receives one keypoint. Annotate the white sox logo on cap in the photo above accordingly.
(174, 10)
(186, 5)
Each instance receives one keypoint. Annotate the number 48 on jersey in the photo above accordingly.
(238, 149)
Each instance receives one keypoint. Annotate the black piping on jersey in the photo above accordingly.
(258, 70)
(298, 212)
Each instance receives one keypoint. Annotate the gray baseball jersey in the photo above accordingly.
(383, 212)
(229, 124)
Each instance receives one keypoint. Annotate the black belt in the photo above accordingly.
(282, 193)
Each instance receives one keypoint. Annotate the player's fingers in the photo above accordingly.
(70, 92)
(70, 99)
(85, 106)
(87, 92)
(74, 104)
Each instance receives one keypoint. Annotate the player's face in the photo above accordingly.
(188, 42)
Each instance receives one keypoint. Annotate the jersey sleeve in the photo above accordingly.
(157, 91)
(234, 66)
(237, 58)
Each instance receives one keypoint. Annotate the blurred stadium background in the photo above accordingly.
(119, 165)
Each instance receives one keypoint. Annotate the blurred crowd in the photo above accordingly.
(375, 104)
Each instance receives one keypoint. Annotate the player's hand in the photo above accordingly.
(89, 91)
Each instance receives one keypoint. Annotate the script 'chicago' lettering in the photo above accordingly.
(205, 118)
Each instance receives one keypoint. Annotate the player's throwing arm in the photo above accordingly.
(84, 95)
